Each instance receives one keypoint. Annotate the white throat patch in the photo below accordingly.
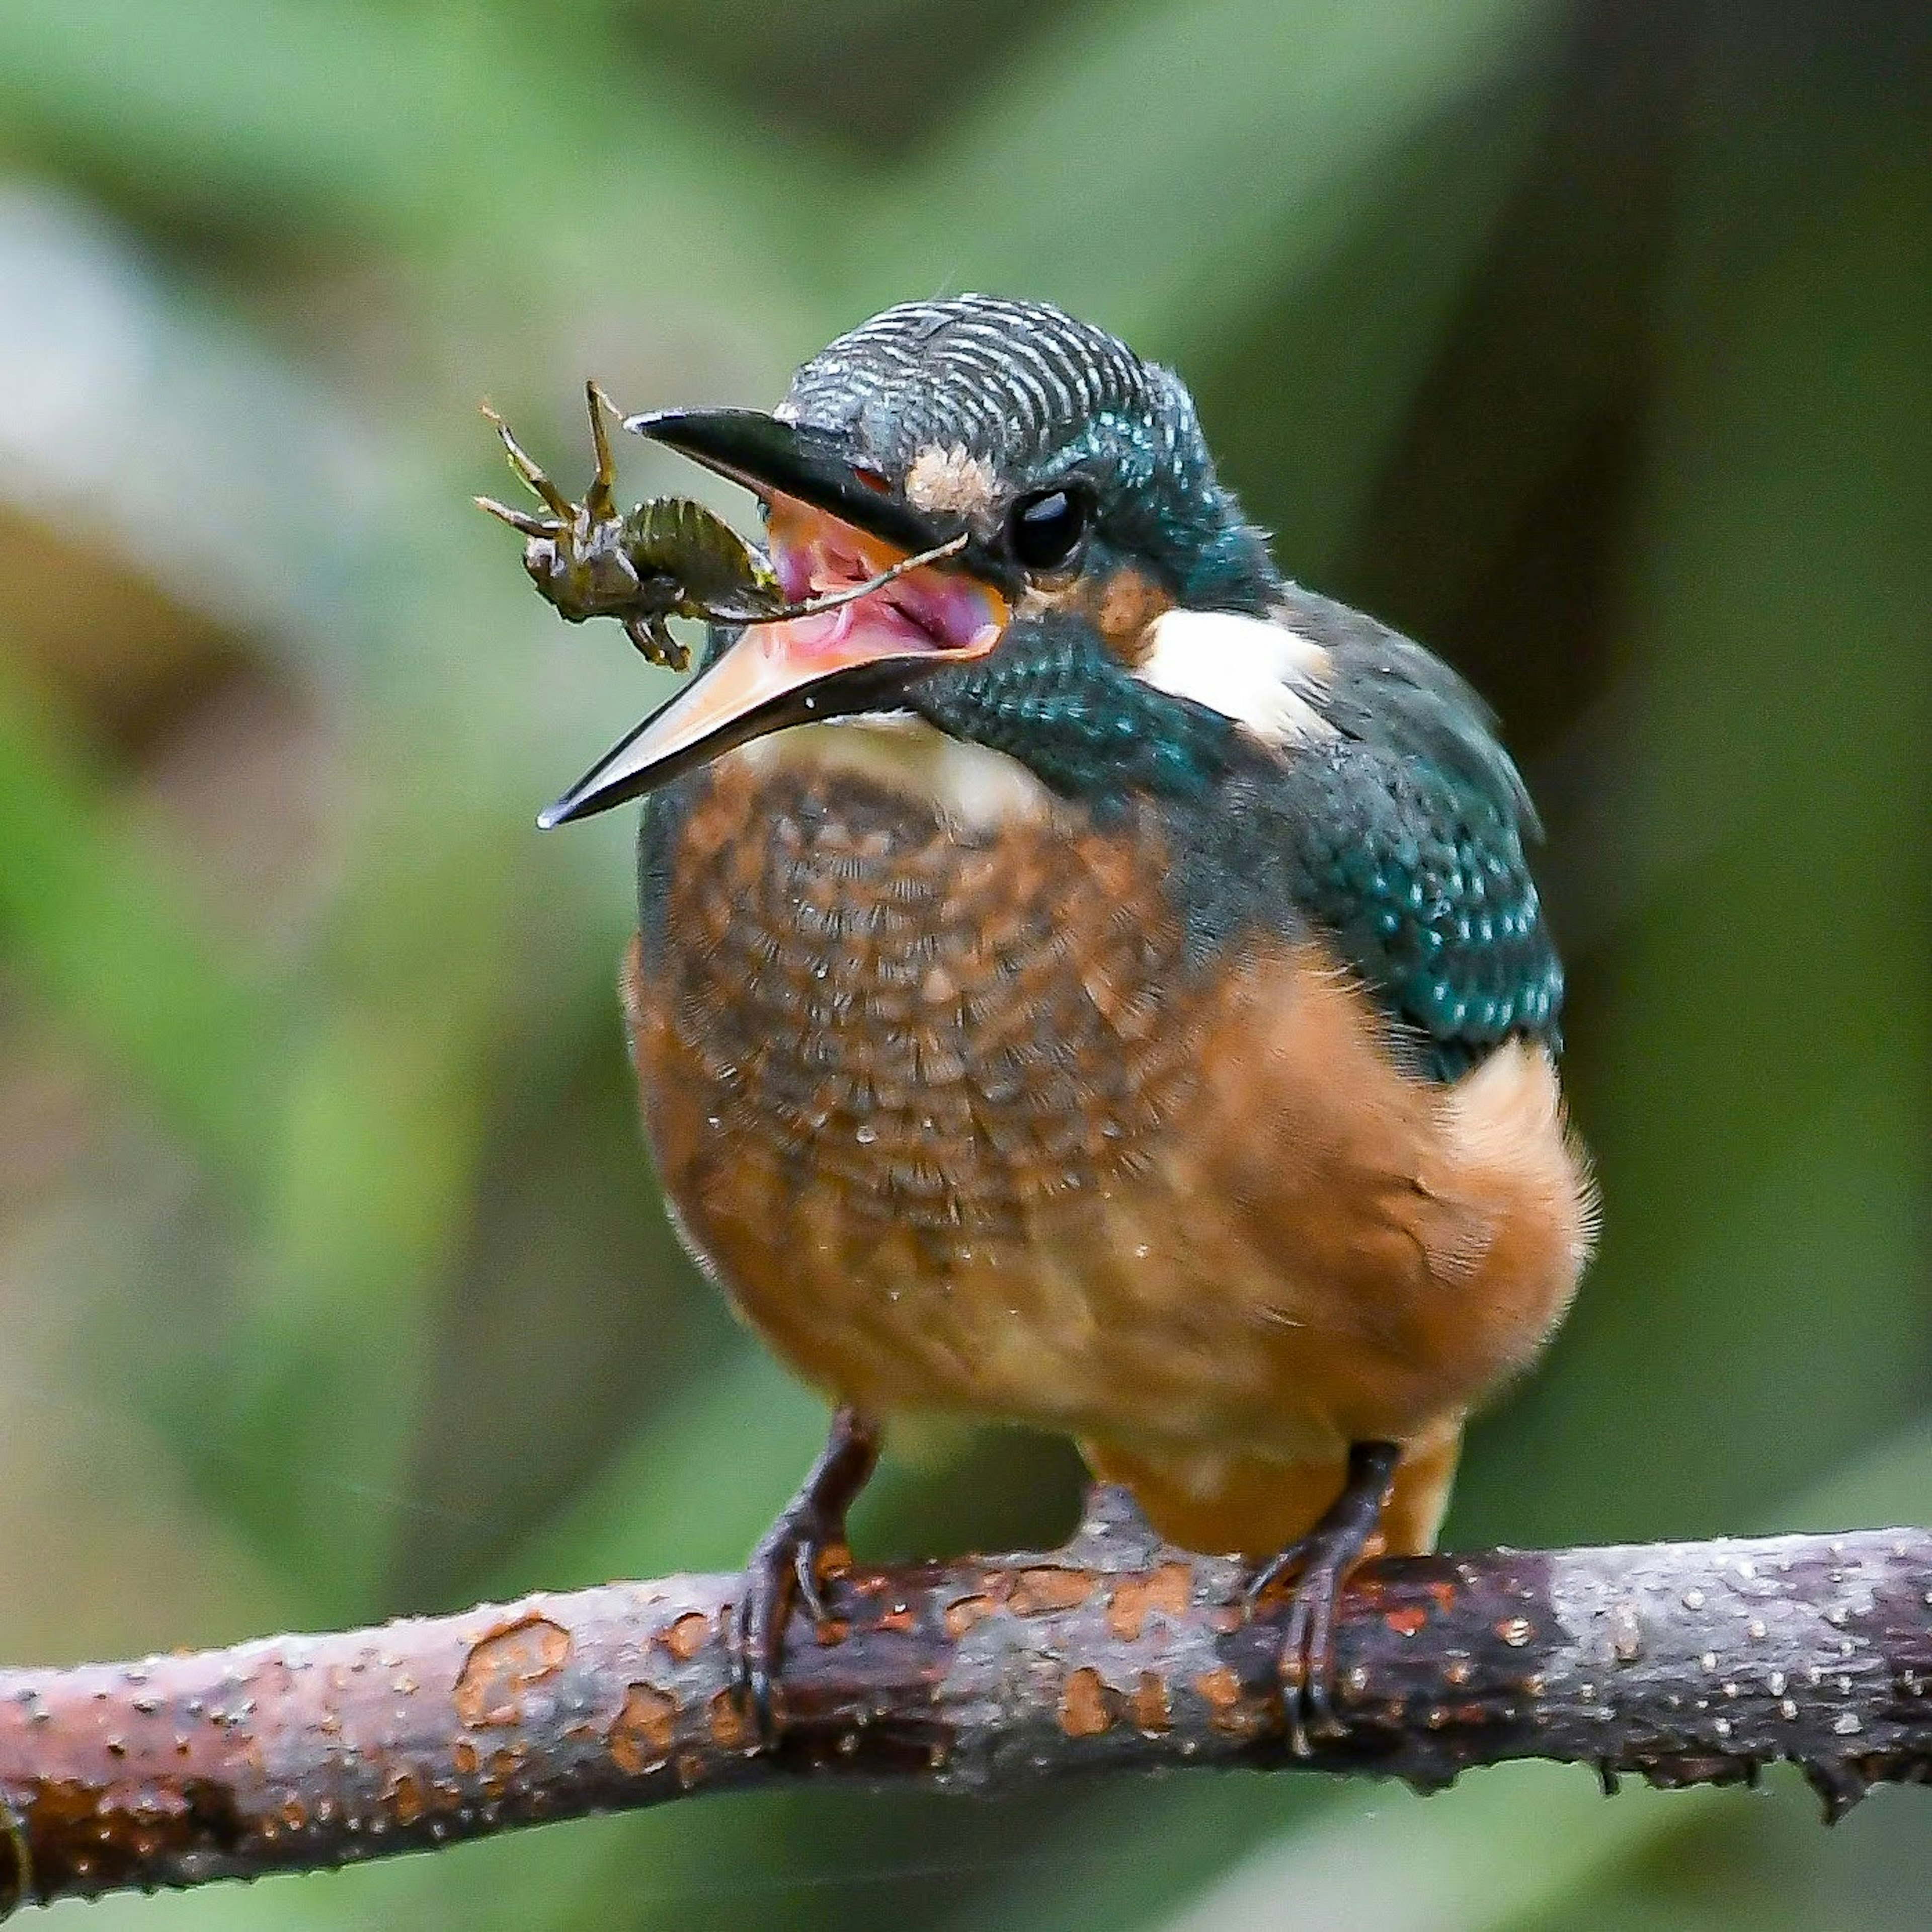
(974, 786)
(1260, 673)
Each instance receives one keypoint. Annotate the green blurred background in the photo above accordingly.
(1589, 340)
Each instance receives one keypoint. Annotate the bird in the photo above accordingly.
(1091, 981)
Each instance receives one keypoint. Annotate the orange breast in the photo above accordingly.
(954, 1119)
(941, 1030)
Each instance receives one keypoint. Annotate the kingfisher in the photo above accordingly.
(1088, 981)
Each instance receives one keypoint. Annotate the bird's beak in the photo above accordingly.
(832, 524)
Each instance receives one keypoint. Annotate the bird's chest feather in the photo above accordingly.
(941, 1011)
(940, 1096)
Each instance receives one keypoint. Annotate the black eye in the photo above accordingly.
(1046, 528)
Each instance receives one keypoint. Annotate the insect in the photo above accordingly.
(670, 557)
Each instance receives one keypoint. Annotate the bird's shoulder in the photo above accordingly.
(1399, 833)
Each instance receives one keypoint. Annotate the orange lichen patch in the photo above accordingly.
(502, 1665)
(404, 1798)
(640, 1739)
(833, 1630)
(464, 1756)
(1406, 1623)
(688, 1636)
(1083, 1705)
(692, 1768)
(1165, 1590)
(1220, 1689)
(730, 1729)
(963, 1612)
(1049, 1587)
(501, 1771)
(899, 1620)
(1151, 1711)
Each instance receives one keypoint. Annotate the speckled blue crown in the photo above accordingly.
(1043, 398)
(1021, 384)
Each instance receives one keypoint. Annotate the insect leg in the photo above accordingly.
(518, 519)
(598, 498)
(526, 466)
(653, 636)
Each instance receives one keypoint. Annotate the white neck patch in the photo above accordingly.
(973, 785)
(1260, 673)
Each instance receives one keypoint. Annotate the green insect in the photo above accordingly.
(670, 557)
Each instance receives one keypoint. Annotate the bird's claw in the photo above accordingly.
(1320, 1563)
(783, 1571)
(786, 1569)
(1306, 1661)
(807, 1556)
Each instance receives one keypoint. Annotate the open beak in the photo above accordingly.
(832, 524)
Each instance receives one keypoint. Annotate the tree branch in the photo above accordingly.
(1685, 1663)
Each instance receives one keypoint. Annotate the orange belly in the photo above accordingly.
(957, 1123)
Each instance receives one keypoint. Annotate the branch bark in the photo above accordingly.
(1683, 1663)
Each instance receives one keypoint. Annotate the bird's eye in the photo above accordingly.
(1046, 528)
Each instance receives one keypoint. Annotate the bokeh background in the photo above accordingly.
(1589, 340)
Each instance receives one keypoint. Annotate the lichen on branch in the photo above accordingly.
(1682, 1663)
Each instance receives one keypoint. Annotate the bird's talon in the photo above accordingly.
(783, 1573)
(784, 1568)
(806, 1558)
(1268, 1574)
(1321, 1562)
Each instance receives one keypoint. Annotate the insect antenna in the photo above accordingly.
(832, 600)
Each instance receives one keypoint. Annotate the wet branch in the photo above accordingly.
(1683, 1662)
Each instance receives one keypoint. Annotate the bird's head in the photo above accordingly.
(1099, 624)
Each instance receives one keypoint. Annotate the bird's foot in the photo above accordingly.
(1320, 1563)
(784, 1569)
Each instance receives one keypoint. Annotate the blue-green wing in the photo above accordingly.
(1407, 834)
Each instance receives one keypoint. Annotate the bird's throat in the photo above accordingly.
(971, 787)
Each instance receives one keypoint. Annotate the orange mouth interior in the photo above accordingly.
(932, 608)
